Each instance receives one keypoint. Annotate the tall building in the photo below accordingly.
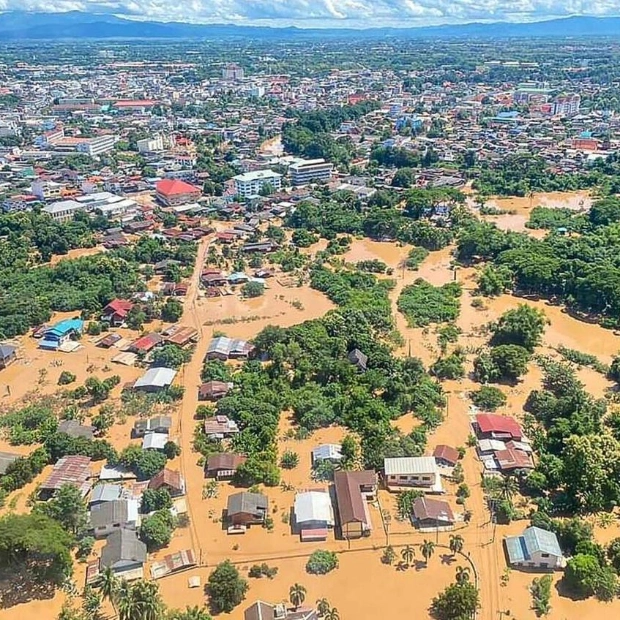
(566, 105)
(233, 72)
(251, 183)
(310, 171)
(150, 145)
(97, 146)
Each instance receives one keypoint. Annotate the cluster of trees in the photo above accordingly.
(308, 134)
(581, 270)
(423, 304)
(514, 337)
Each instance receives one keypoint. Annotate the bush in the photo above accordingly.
(450, 367)
(66, 377)
(415, 257)
(488, 398)
(422, 303)
(253, 289)
(289, 460)
(322, 562)
(459, 601)
(262, 570)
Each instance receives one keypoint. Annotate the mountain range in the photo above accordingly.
(22, 25)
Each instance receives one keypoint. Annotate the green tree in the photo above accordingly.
(493, 281)
(459, 601)
(156, 530)
(170, 356)
(155, 499)
(135, 318)
(297, 595)
(524, 326)
(172, 310)
(389, 555)
(407, 554)
(108, 584)
(226, 588)
(68, 508)
(332, 614)
(488, 398)
(585, 577)
(322, 606)
(190, 613)
(289, 459)
(427, 549)
(462, 574)
(253, 289)
(456, 543)
(321, 562)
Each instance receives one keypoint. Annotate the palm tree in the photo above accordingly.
(407, 554)
(332, 614)
(191, 613)
(427, 548)
(508, 487)
(322, 606)
(109, 584)
(297, 595)
(148, 600)
(462, 574)
(456, 543)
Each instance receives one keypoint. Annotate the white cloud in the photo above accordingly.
(317, 13)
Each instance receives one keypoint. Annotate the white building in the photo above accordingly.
(535, 548)
(97, 146)
(8, 128)
(251, 183)
(233, 72)
(310, 171)
(46, 190)
(313, 510)
(151, 145)
(63, 210)
(420, 472)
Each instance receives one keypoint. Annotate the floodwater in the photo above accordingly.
(395, 594)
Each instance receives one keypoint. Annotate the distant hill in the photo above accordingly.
(22, 25)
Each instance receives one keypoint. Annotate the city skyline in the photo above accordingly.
(327, 13)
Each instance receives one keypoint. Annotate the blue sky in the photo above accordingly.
(329, 13)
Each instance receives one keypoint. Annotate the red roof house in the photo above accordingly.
(174, 192)
(494, 426)
(116, 312)
(446, 455)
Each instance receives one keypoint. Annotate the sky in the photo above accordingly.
(328, 13)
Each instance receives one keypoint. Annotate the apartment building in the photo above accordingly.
(97, 146)
(151, 145)
(310, 171)
(251, 183)
(46, 190)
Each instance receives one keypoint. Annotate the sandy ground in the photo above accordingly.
(360, 561)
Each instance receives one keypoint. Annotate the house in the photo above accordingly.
(170, 480)
(247, 508)
(352, 490)
(174, 192)
(327, 452)
(66, 330)
(313, 511)
(419, 472)
(223, 348)
(116, 312)
(214, 390)
(6, 458)
(103, 493)
(109, 516)
(220, 427)
(431, 513)
(125, 554)
(72, 469)
(109, 340)
(155, 380)
(172, 563)
(155, 441)
(223, 466)
(266, 611)
(145, 344)
(495, 426)
(74, 429)
(8, 354)
(158, 424)
(358, 359)
(535, 548)
(180, 335)
(511, 460)
(446, 456)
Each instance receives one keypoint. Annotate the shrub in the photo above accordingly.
(253, 289)
(66, 377)
(488, 398)
(322, 562)
(289, 460)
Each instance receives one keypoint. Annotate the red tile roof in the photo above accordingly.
(119, 306)
(501, 424)
(447, 453)
(511, 459)
(175, 187)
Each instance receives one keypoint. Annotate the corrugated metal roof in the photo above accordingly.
(314, 506)
(410, 465)
(156, 377)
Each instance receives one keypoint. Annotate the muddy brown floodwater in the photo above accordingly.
(362, 587)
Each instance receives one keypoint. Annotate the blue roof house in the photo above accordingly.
(60, 333)
(536, 549)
